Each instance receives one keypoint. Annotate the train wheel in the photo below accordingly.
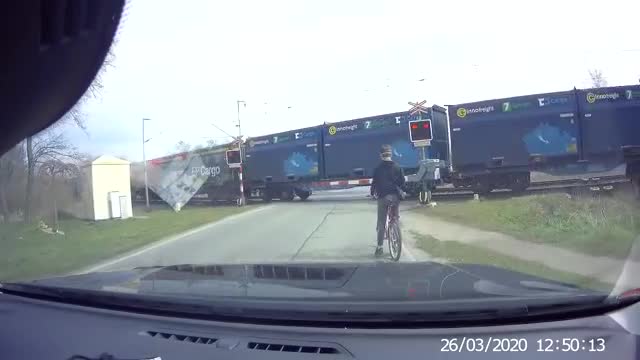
(482, 186)
(287, 195)
(266, 196)
(303, 195)
(635, 183)
(520, 184)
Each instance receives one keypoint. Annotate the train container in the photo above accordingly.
(281, 165)
(610, 128)
(177, 178)
(610, 120)
(495, 143)
(351, 148)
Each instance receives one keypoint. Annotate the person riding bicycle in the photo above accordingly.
(387, 186)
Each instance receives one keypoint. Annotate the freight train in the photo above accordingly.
(497, 143)
(482, 146)
(177, 178)
(295, 163)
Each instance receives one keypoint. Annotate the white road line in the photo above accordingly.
(171, 239)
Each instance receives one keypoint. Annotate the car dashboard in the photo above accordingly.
(41, 329)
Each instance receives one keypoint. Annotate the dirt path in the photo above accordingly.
(602, 268)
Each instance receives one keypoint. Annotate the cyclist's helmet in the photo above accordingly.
(385, 152)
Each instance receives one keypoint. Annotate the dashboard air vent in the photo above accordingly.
(185, 338)
(292, 348)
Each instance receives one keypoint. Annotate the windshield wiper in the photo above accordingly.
(100, 298)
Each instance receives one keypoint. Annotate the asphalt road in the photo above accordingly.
(333, 226)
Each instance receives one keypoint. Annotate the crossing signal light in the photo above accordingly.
(420, 130)
(233, 157)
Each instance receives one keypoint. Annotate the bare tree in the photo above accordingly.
(597, 79)
(211, 143)
(53, 146)
(55, 168)
(49, 145)
(12, 165)
(82, 158)
(46, 148)
(183, 146)
(75, 115)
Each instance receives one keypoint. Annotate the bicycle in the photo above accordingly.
(393, 234)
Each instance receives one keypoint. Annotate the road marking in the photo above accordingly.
(324, 219)
(171, 239)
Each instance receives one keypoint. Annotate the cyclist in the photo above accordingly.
(387, 186)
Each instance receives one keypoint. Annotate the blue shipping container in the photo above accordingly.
(283, 157)
(509, 132)
(352, 148)
(610, 119)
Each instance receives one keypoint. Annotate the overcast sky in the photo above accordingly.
(301, 63)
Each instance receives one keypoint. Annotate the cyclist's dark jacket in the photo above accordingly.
(388, 178)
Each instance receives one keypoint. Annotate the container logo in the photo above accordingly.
(548, 101)
(509, 106)
(592, 98)
(253, 143)
(333, 129)
(462, 112)
(304, 135)
(206, 171)
(281, 138)
(632, 94)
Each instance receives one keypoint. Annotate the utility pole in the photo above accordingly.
(238, 125)
(242, 199)
(144, 160)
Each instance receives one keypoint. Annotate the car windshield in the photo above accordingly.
(322, 151)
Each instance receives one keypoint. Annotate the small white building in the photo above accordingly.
(103, 190)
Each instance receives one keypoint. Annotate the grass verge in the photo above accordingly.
(29, 252)
(604, 226)
(456, 252)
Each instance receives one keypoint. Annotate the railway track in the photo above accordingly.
(584, 185)
(592, 184)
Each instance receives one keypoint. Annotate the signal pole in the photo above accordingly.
(238, 125)
(144, 160)
(242, 200)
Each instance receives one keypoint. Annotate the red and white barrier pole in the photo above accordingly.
(242, 199)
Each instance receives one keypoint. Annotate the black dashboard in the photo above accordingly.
(38, 329)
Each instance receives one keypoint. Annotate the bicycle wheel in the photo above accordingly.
(395, 240)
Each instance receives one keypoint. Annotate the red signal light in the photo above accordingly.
(420, 130)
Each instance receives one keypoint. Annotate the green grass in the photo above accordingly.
(28, 252)
(604, 226)
(456, 252)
